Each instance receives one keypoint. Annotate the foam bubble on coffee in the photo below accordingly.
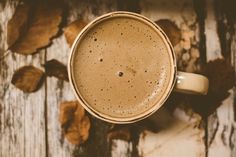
(122, 67)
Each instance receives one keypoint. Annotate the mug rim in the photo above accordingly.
(152, 109)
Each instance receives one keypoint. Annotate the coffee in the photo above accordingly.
(122, 67)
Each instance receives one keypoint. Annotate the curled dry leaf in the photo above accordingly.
(33, 26)
(171, 30)
(28, 78)
(75, 124)
(78, 134)
(18, 23)
(220, 75)
(221, 79)
(57, 69)
(73, 29)
(122, 133)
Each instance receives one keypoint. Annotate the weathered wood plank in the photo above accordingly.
(22, 125)
(58, 91)
(221, 124)
(212, 39)
(183, 126)
(180, 136)
(221, 127)
(121, 148)
(22, 119)
(183, 15)
(233, 129)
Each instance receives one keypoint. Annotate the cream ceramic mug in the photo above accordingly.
(122, 68)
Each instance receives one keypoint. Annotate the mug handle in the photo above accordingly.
(191, 83)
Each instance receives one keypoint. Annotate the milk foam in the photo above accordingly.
(122, 67)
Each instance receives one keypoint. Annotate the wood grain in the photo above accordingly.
(58, 91)
(22, 122)
(191, 139)
(221, 124)
(181, 136)
(121, 148)
(29, 123)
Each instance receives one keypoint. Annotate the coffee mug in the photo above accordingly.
(122, 68)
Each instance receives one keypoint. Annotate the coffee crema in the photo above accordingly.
(122, 67)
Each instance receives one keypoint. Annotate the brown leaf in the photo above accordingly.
(57, 69)
(171, 30)
(119, 133)
(67, 110)
(75, 124)
(18, 23)
(220, 75)
(73, 29)
(28, 78)
(78, 133)
(221, 79)
(206, 105)
(42, 26)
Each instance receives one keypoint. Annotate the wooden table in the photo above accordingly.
(29, 125)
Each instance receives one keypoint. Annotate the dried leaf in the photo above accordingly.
(221, 78)
(119, 133)
(57, 69)
(18, 23)
(67, 110)
(28, 78)
(206, 105)
(171, 30)
(78, 133)
(73, 29)
(220, 75)
(42, 26)
(75, 124)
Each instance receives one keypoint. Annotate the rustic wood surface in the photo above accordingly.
(29, 124)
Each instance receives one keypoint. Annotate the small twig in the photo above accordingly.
(4, 54)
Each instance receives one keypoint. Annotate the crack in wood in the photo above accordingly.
(199, 6)
(231, 143)
(226, 16)
(4, 74)
(223, 136)
(60, 84)
(206, 138)
(234, 105)
(234, 65)
(46, 110)
(200, 9)
(1, 109)
(214, 132)
(135, 141)
(24, 133)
